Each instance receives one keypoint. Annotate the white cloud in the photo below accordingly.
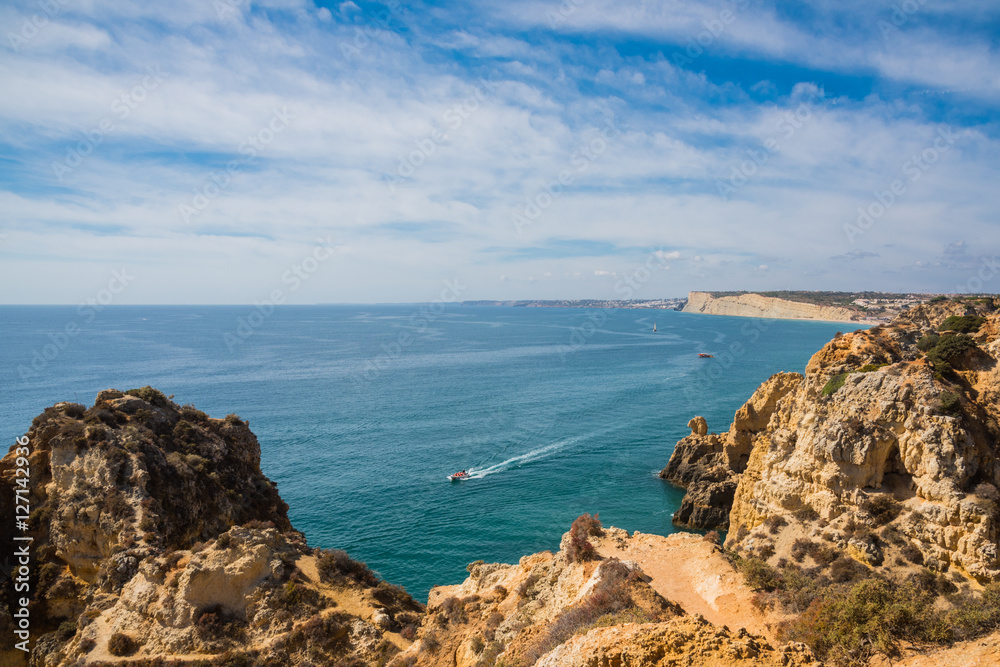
(356, 120)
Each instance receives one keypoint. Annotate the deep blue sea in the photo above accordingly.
(362, 411)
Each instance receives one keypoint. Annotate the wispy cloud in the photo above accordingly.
(510, 99)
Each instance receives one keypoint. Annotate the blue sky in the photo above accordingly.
(525, 149)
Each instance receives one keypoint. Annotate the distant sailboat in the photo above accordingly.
(654, 327)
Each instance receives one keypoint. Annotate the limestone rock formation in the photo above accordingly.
(156, 534)
(549, 610)
(897, 425)
(708, 466)
(756, 305)
(673, 643)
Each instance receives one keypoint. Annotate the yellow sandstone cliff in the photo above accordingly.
(156, 536)
(881, 431)
(755, 305)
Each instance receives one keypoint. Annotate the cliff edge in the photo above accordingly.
(756, 305)
(873, 477)
(902, 417)
(155, 535)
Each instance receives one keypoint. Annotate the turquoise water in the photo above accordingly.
(362, 411)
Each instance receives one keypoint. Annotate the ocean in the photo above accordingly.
(362, 411)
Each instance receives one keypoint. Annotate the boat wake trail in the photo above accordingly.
(528, 457)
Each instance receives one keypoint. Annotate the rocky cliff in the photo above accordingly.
(708, 466)
(592, 608)
(894, 427)
(156, 534)
(755, 305)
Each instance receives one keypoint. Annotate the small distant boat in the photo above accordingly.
(705, 355)
(459, 476)
(654, 327)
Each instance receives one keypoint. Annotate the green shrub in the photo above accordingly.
(949, 347)
(846, 569)
(390, 594)
(962, 323)
(867, 622)
(938, 299)
(848, 624)
(758, 575)
(973, 616)
(928, 341)
(191, 413)
(74, 410)
(949, 403)
(882, 508)
(335, 562)
(290, 596)
(122, 645)
(150, 395)
(775, 523)
(823, 555)
(868, 368)
(835, 383)
(66, 630)
(806, 513)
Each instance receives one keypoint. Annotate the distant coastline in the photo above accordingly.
(655, 304)
(857, 307)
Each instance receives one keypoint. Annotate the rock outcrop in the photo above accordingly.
(756, 305)
(155, 534)
(708, 465)
(550, 610)
(673, 643)
(896, 426)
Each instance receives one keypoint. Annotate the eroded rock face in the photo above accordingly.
(542, 610)
(675, 642)
(154, 522)
(878, 432)
(756, 305)
(708, 465)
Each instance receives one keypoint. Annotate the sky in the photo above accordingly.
(237, 152)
